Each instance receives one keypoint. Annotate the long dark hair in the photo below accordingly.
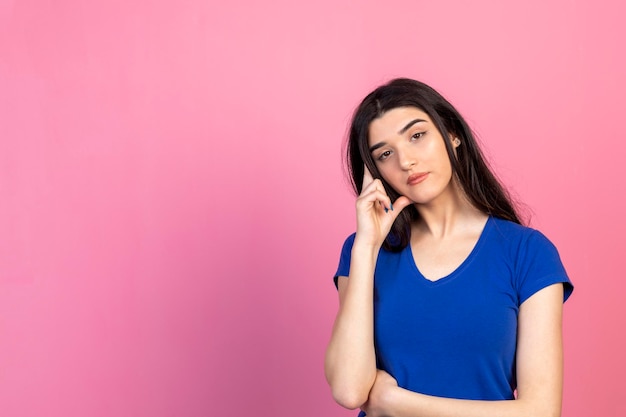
(472, 172)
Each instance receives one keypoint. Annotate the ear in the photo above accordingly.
(454, 140)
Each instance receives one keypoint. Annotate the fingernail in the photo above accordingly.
(386, 209)
(391, 205)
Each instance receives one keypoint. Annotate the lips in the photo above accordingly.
(417, 178)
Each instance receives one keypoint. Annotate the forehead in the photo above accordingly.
(393, 121)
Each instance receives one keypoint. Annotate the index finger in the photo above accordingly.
(367, 177)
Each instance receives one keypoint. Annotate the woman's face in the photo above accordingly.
(411, 155)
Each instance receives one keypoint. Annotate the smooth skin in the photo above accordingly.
(450, 226)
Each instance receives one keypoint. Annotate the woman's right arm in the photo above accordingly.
(350, 363)
(350, 358)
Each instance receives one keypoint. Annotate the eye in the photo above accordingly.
(384, 155)
(417, 135)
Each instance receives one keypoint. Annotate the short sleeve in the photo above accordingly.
(343, 270)
(539, 267)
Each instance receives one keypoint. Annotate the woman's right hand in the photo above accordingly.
(350, 363)
(375, 213)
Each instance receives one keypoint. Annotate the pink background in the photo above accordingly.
(172, 201)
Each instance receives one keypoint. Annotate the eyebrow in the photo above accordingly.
(408, 125)
(400, 132)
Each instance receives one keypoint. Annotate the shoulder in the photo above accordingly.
(521, 242)
(348, 243)
(518, 237)
(534, 258)
(384, 256)
(510, 229)
(343, 269)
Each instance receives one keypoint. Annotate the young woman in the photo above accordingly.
(448, 305)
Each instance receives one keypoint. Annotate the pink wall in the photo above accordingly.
(172, 204)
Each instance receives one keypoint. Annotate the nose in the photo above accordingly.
(406, 159)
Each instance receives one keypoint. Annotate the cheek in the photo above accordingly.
(385, 172)
(391, 168)
(391, 177)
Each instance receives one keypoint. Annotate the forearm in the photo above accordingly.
(350, 359)
(404, 403)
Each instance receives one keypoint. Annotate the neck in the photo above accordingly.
(447, 216)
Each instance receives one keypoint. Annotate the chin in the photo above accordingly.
(423, 199)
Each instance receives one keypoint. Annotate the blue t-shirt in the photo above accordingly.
(456, 337)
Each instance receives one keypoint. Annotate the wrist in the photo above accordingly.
(363, 246)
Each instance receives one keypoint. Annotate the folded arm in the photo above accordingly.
(539, 361)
